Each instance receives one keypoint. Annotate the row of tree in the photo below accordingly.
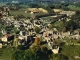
(37, 53)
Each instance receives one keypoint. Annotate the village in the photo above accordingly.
(26, 31)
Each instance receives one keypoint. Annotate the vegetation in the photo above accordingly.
(0, 33)
(67, 25)
(76, 18)
(37, 29)
(59, 25)
(37, 41)
(19, 13)
(6, 53)
(34, 5)
(39, 52)
(34, 53)
(73, 7)
(50, 11)
(59, 57)
(71, 25)
(71, 51)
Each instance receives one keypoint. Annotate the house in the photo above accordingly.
(37, 40)
(68, 13)
(5, 38)
(0, 45)
(43, 10)
(57, 10)
(36, 10)
(21, 37)
(56, 50)
(77, 37)
(22, 33)
(4, 32)
(29, 41)
(76, 57)
(66, 34)
(32, 10)
(50, 44)
(76, 32)
(45, 34)
(27, 11)
(55, 36)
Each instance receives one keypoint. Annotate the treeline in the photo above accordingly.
(40, 5)
(37, 53)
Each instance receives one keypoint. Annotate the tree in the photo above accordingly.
(62, 57)
(18, 55)
(37, 41)
(51, 26)
(71, 25)
(0, 15)
(24, 55)
(59, 25)
(15, 42)
(59, 57)
(44, 49)
(76, 18)
(64, 29)
(37, 29)
(21, 47)
(34, 5)
(58, 6)
(0, 33)
(30, 54)
(51, 6)
(50, 11)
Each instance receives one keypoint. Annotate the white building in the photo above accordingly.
(4, 39)
(0, 45)
(68, 13)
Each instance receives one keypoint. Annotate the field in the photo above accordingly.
(71, 51)
(73, 7)
(6, 53)
(20, 12)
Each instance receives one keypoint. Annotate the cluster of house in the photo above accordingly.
(5, 40)
(5, 11)
(41, 10)
(26, 28)
(24, 34)
(48, 37)
(36, 10)
(51, 36)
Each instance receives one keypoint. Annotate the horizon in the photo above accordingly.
(57, 1)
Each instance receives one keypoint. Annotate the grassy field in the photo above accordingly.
(6, 53)
(71, 51)
(73, 7)
(20, 12)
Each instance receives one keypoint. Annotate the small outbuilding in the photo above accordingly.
(0, 45)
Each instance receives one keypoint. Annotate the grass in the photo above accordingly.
(73, 7)
(72, 40)
(20, 12)
(71, 51)
(6, 53)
